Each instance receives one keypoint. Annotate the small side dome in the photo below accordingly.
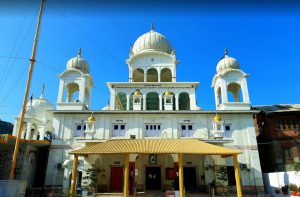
(137, 93)
(217, 118)
(78, 63)
(91, 119)
(152, 41)
(167, 93)
(37, 107)
(107, 107)
(227, 63)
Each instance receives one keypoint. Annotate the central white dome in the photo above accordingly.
(152, 41)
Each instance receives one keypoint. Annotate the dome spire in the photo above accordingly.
(79, 52)
(152, 26)
(43, 90)
(225, 52)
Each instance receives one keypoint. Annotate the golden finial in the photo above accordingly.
(217, 118)
(91, 119)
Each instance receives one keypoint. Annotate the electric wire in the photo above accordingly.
(13, 86)
(87, 35)
(20, 47)
(14, 44)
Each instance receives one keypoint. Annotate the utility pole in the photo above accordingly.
(32, 61)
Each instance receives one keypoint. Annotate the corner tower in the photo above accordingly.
(75, 85)
(230, 85)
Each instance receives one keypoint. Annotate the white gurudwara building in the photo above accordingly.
(151, 106)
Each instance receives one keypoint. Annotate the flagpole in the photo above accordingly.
(21, 121)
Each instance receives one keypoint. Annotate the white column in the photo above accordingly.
(60, 91)
(145, 75)
(128, 101)
(176, 101)
(217, 99)
(15, 129)
(192, 101)
(112, 100)
(160, 102)
(28, 132)
(245, 92)
(224, 91)
(42, 133)
(81, 90)
(144, 101)
(174, 74)
(130, 73)
(158, 74)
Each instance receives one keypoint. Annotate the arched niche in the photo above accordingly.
(170, 99)
(152, 75)
(152, 101)
(138, 75)
(184, 101)
(72, 92)
(234, 92)
(166, 75)
(121, 101)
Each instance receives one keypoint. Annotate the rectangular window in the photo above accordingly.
(152, 130)
(118, 130)
(187, 130)
(79, 129)
(227, 127)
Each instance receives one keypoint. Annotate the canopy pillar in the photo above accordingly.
(126, 176)
(237, 176)
(74, 174)
(180, 169)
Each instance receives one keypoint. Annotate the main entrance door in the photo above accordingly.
(116, 179)
(189, 177)
(153, 181)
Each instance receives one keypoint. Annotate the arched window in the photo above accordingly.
(184, 101)
(166, 75)
(152, 75)
(138, 75)
(121, 101)
(72, 92)
(234, 93)
(152, 101)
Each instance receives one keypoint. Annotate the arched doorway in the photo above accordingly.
(184, 101)
(152, 101)
(152, 75)
(138, 75)
(166, 75)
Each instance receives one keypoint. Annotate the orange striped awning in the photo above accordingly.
(155, 146)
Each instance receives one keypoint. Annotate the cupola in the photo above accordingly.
(78, 63)
(227, 63)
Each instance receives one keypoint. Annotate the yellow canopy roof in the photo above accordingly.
(155, 146)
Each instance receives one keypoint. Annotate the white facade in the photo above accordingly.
(152, 104)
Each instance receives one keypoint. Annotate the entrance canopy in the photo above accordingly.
(156, 146)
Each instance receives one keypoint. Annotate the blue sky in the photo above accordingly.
(263, 37)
